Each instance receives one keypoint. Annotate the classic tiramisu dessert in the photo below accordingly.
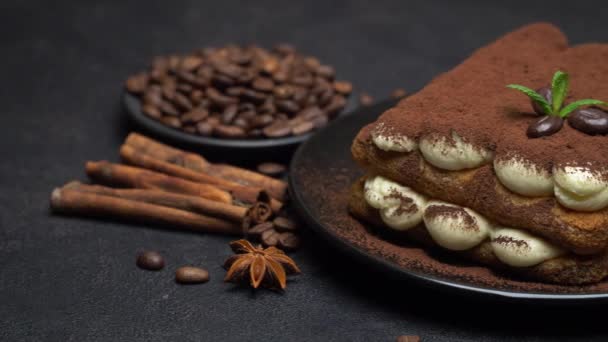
(502, 160)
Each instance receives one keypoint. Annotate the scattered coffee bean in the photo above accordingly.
(240, 92)
(591, 121)
(398, 93)
(271, 169)
(150, 260)
(270, 237)
(191, 275)
(258, 229)
(284, 224)
(408, 338)
(546, 125)
(365, 99)
(343, 87)
(546, 93)
(288, 241)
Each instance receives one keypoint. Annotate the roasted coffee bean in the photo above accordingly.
(168, 91)
(258, 229)
(284, 224)
(268, 106)
(137, 84)
(304, 80)
(271, 169)
(283, 91)
(229, 114)
(408, 338)
(546, 125)
(312, 63)
(261, 121)
(204, 128)
(214, 120)
(591, 121)
(190, 63)
(184, 88)
(264, 84)
(189, 129)
(196, 96)
(343, 87)
(325, 71)
(270, 65)
(270, 238)
(302, 128)
(310, 113)
(173, 62)
(157, 75)
(246, 106)
(288, 241)
(219, 99)
(253, 96)
(247, 115)
(171, 121)
(205, 72)
(288, 106)
(231, 70)
(246, 77)
(222, 81)
(182, 102)
(319, 121)
(398, 93)
(546, 93)
(242, 123)
(366, 99)
(326, 97)
(337, 103)
(151, 111)
(285, 49)
(150, 260)
(279, 128)
(195, 115)
(233, 132)
(168, 108)
(234, 91)
(300, 95)
(191, 275)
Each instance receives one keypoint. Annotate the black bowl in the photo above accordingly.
(235, 150)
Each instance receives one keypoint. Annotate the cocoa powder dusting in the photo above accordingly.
(507, 240)
(472, 100)
(453, 212)
(327, 198)
(406, 206)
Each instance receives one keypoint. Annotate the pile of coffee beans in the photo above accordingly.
(281, 232)
(241, 92)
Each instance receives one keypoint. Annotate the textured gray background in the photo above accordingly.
(62, 66)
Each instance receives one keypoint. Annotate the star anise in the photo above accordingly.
(267, 267)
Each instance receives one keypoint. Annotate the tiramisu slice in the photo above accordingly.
(471, 166)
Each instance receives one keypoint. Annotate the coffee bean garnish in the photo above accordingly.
(546, 93)
(545, 126)
(591, 121)
(271, 169)
(191, 275)
(150, 260)
(270, 237)
(249, 91)
(257, 230)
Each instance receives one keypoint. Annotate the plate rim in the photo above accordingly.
(442, 284)
(135, 113)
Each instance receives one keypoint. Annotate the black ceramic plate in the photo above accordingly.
(320, 177)
(237, 149)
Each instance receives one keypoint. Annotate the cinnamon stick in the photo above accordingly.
(240, 192)
(195, 204)
(275, 187)
(167, 153)
(69, 201)
(135, 177)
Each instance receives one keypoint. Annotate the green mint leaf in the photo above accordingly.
(536, 97)
(576, 104)
(559, 89)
